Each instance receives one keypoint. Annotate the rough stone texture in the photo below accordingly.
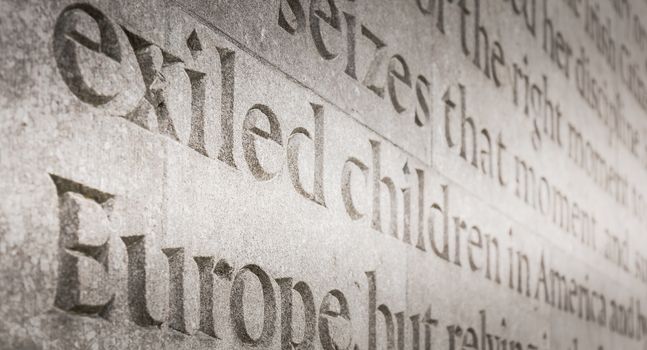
(323, 174)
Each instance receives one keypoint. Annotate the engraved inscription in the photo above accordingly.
(485, 212)
(84, 264)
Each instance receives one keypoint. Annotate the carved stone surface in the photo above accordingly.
(323, 174)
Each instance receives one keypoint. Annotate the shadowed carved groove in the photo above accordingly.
(137, 281)
(328, 312)
(205, 268)
(309, 314)
(237, 307)
(227, 67)
(346, 193)
(177, 312)
(299, 17)
(370, 80)
(317, 194)
(251, 131)
(198, 96)
(84, 234)
(316, 16)
(66, 38)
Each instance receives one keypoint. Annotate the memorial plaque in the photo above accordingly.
(323, 174)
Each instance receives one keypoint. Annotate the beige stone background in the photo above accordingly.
(265, 174)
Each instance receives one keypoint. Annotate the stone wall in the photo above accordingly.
(323, 174)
